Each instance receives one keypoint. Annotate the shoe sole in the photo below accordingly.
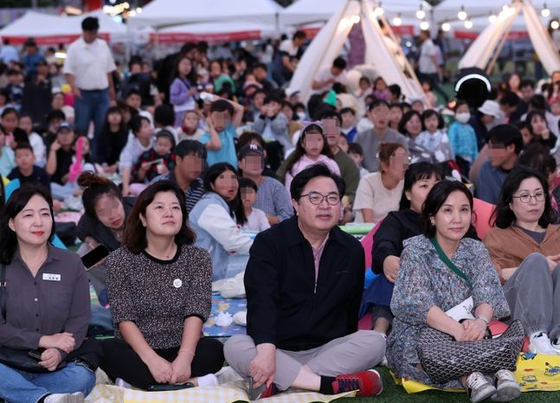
(507, 392)
(380, 382)
(491, 391)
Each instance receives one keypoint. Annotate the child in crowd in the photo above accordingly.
(158, 160)
(54, 119)
(134, 101)
(112, 139)
(15, 86)
(272, 124)
(190, 129)
(395, 116)
(183, 90)
(25, 170)
(380, 90)
(430, 97)
(256, 219)
(538, 126)
(60, 157)
(356, 152)
(142, 141)
(343, 143)
(10, 121)
(365, 89)
(525, 132)
(36, 141)
(417, 105)
(7, 162)
(349, 128)
(225, 117)
(433, 138)
(164, 119)
(462, 138)
(312, 148)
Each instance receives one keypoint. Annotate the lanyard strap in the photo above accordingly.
(449, 263)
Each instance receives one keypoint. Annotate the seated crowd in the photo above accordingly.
(221, 166)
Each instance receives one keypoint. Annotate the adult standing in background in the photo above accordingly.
(286, 60)
(88, 69)
(428, 65)
(8, 53)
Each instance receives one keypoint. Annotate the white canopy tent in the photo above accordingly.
(328, 44)
(214, 32)
(49, 29)
(165, 13)
(483, 50)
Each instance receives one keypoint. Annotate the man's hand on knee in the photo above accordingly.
(263, 366)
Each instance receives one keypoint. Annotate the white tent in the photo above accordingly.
(165, 13)
(484, 47)
(49, 29)
(329, 41)
(214, 32)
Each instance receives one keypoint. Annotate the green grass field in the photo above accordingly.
(396, 394)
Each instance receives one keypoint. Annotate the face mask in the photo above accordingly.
(462, 117)
(301, 116)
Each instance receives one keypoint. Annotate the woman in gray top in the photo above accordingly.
(47, 303)
(160, 290)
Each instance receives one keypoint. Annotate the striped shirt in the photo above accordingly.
(273, 199)
(193, 194)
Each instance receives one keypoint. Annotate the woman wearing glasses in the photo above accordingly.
(525, 248)
(380, 192)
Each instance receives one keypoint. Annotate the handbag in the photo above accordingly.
(444, 359)
(88, 354)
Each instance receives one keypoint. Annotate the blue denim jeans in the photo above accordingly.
(92, 106)
(24, 387)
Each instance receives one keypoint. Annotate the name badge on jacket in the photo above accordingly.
(51, 277)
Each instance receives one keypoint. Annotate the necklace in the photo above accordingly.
(167, 254)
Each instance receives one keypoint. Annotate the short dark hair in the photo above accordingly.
(376, 103)
(509, 98)
(428, 113)
(22, 145)
(58, 114)
(299, 35)
(347, 110)
(355, 148)
(504, 216)
(506, 135)
(135, 123)
(537, 156)
(416, 172)
(94, 187)
(164, 115)
(90, 24)
(538, 102)
(339, 63)
(314, 171)
(221, 105)
(17, 202)
(272, 98)
(459, 103)
(435, 199)
(134, 238)
(404, 120)
(527, 82)
(260, 66)
(132, 91)
(190, 147)
(329, 113)
(8, 111)
(248, 183)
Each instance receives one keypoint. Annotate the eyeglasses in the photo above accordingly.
(317, 198)
(526, 197)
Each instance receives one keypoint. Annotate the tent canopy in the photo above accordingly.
(214, 32)
(484, 47)
(48, 29)
(165, 13)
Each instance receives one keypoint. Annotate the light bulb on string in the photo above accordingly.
(545, 12)
(420, 14)
(397, 21)
(446, 27)
(493, 18)
(355, 19)
(468, 24)
(462, 14)
(424, 25)
(379, 10)
(555, 24)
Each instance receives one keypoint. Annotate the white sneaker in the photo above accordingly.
(122, 383)
(556, 346)
(507, 387)
(76, 397)
(539, 343)
(479, 387)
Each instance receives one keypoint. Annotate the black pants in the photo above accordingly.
(121, 361)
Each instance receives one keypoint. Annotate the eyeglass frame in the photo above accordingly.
(323, 198)
(530, 197)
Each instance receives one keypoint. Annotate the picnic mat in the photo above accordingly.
(535, 372)
(232, 388)
(224, 306)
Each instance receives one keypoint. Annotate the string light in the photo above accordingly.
(421, 14)
(462, 15)
(555, 24)
(493, 18)
(397, 21)
(468, 24)
(545, 12)
(355, 19)
(424, 25)
(379, 10)
(446, 27)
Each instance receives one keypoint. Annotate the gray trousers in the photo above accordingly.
(533, 296)
(353, 353)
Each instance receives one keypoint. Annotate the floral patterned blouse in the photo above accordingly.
(425, 281)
